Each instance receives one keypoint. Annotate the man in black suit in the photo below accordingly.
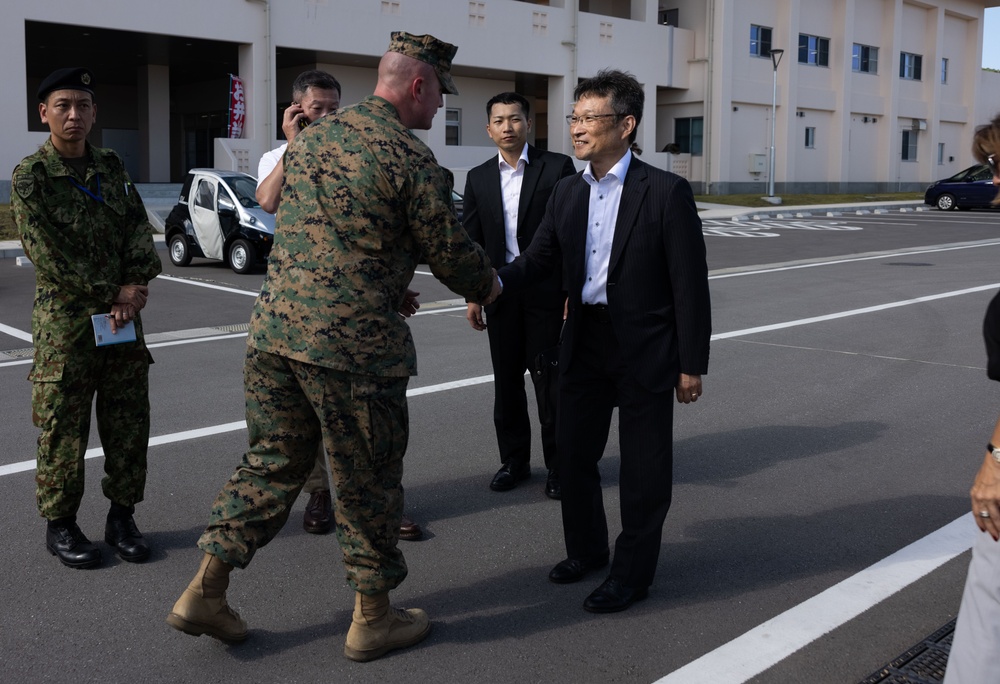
(628, 241)
(505, 200)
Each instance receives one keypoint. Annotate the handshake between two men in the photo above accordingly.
(410, 303)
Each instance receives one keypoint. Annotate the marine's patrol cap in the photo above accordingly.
(71, 78)
(428, 49)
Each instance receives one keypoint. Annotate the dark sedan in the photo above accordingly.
(969, 189)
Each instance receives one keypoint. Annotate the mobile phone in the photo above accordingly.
(303, 122)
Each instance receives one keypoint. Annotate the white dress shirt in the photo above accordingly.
(510, 193)
(605, 198)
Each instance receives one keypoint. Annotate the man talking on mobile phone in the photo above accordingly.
(314, 95)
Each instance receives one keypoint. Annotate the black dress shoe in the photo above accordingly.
(318, 518)
(74, 550)
(612, 597)
(121, 533)
(509, 475)
(409, 530)
(553, 489)
(573, 569)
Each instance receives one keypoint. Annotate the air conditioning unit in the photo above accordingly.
(919, 125)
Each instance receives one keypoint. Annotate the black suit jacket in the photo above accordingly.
(658, 293)
(483, 212)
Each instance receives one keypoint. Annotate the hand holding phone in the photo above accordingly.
(293, 120)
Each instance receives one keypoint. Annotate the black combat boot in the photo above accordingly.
(63, 538)
(121, 533)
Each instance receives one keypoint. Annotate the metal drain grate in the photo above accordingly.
(19, 353)
(923, 664)
(238, 327)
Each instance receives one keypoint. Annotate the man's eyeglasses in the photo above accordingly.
(587, 120)
(992, 163)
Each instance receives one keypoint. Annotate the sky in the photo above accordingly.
(991, 48)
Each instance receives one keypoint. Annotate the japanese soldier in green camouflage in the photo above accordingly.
(85, 230)
(329, 358)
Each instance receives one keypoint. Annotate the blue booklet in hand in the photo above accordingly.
(102, 331)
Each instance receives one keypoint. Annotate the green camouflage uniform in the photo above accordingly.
(329, 358)
(83, 250)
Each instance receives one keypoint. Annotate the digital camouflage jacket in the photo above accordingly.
(363, 202)
(85, 237)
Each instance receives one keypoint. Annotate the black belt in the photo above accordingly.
(597, 312)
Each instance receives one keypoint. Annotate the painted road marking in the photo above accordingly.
(774, 640)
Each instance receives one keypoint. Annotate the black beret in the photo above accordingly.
(71, 78)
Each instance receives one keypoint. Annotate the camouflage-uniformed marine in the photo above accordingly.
(86, 235)
(329, 358)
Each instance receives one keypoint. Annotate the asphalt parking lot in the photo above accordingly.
(820, 504)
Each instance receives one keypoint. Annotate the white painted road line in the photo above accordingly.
(848, 260)
(771, 642)
(14, 332)
(197, 433)
(211, 286)
(193, 340)
(852, 312)
(428, 308)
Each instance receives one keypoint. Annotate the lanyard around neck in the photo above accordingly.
(98, 197)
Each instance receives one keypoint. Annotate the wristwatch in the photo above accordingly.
(994, 451)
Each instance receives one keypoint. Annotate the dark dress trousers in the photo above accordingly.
(521, 326)
(657, 324)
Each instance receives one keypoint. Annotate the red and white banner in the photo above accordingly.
(237, 106)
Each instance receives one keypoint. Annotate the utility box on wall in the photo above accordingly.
(758, 163)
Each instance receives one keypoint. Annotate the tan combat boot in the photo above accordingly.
(202, 608)
(378, 628)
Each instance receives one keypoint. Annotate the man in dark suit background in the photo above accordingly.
(628, 242)
(505, 200)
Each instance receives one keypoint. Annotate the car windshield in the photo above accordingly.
(245, 189)
(973, 173)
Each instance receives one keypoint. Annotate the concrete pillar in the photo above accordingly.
(646, 135)
(255, 70)
(560, 104)
(154, 123)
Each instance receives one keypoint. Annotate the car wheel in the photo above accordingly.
(242, 256)
(946, 202)
(180, 251)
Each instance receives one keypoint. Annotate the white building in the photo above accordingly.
(871, 94)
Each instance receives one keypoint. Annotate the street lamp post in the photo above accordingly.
(775, 58)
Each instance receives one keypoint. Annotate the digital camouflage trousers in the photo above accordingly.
(62, 397)
(291, 408)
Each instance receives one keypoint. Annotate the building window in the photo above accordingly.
(453, 127)
(606, 35)
(944, 70)
(940, 154)
(540, 23)
(814, 50)
(865, 59)
(909, 146)
(760, 41)
(477, 13)
(810, 137)
(669, 17)
(688, 135)
(909, 66)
